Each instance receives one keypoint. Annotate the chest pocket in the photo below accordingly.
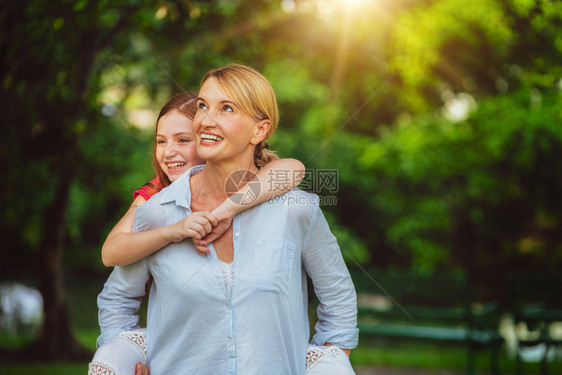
(273, 265)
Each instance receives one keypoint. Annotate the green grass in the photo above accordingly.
(12, 341)
(44, 369)
(438, 357)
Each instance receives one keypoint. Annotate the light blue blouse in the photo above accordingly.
(193, 327)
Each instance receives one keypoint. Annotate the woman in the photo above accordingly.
(243, 307)
(174, 153)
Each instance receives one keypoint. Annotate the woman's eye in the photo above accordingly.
(160, 141)
(184, 140)
(228, 108)
(202, 106)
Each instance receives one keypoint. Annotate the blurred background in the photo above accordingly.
(442, 118)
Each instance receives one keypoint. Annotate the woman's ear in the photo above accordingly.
(260, 131)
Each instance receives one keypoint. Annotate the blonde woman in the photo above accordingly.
(241, 309)
(174, 153)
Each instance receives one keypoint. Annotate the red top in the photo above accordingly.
(149, 189)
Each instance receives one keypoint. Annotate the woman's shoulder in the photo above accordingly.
(168, 204)
(299, 203)
(302, 196)
(150, 214)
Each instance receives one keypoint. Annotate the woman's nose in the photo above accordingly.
(207, 120)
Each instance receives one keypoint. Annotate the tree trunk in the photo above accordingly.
(56, 340)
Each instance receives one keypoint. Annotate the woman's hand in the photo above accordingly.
(223, 222)
(141, 369)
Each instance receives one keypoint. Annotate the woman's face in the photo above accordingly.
(176, 150)
(222, 130)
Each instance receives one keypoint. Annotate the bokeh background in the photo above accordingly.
(443, 119)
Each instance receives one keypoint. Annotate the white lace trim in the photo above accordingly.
(137, 338)
(227, 270)
(315, 354)
(100, 368)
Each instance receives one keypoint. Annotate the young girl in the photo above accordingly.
(174, 153)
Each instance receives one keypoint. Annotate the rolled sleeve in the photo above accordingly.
(337, 312)
(121, 296)
(120, 300)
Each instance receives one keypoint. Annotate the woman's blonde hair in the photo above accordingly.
(254, 95)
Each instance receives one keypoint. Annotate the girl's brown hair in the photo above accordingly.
(186, 105)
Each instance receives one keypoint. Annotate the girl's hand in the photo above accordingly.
(197, 225)
(224, 220)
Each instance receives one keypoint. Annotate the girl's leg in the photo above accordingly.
(327, 360)
(120, 355)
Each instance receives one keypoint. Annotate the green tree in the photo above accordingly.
(49, 69)
(361, 93)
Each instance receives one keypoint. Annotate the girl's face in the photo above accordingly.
(222, 130)
(176, 151)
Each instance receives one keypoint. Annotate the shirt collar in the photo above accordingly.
(179, 190)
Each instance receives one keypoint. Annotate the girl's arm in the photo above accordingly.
(123, 247)
(275, 178)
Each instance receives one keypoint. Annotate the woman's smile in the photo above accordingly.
(209, 139)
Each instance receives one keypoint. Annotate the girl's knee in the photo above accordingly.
(327, 360)
(120, 355)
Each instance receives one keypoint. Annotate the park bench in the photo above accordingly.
(535, 303)
(408, 306)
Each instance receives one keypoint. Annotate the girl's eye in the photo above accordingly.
(160, 141)
(227, 108)
(202, 106)
(184, 140)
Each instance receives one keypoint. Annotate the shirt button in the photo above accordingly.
(237, 234)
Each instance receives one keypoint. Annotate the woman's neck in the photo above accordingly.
(209, 187)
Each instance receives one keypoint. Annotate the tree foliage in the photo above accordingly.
(372, 91)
